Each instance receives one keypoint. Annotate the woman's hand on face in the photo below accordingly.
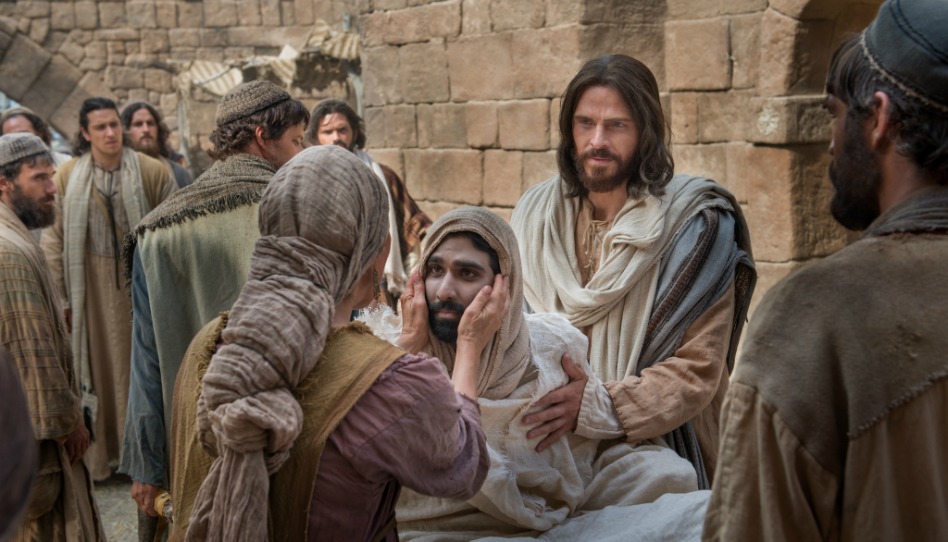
(414, 315)
(484, 315)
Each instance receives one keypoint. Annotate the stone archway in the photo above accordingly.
(46, 83)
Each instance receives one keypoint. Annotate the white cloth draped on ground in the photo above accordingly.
(528, 493)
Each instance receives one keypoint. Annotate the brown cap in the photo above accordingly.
(15, 147)
(248, 98)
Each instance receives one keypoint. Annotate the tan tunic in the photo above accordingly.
(835, 424)
(108, 307)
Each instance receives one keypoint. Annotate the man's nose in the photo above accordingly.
(599, 139)
(447, 290)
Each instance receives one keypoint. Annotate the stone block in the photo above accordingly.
(502, 212)
(158, 80)
(560, 12)
(703, 160)
(745, 50)
(503, 177)
(482, 68)
(400, 127)
(545, 61)
(287, 13)
(213, 54)
(92, 64)
(251, 36)
(22, 63)
(120, 77)
(73, 52)
(190, 15)
(33, 9)
(213, 37)
(807, 9)
(423, 73)
(735, 7)
(52, 86)
(82, 37)
(436, 209)
(788, 120)
(475, 17)
(391, 158)
(248, 13)
(166, 15)
(794, 56)
(132, 48)
(446, 175)
(610, 11)
(642, 41)
(524, 125)
(220, 14)
(66, 117)
(441, 126)
(386, 5)
(39, 29)
(724, 116)
(441, 20)
(141, 14)
(118, 34)
(155, 41)
(380, 75)
(684, 117)
(270, 12)
(697, 55)
(742, 163)
(112, 14)
(62, 16)
(480, 120)
(304, 12)
(538, 167)
(374, 119)
(506, 15)
(184, 37)
(87, 15)
(556, 105)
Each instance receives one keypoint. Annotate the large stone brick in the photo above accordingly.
(184, 37)
(248, 13)
(482, 68)
(503, 177)
(287, 13)
(270, 12)
(788, 120)
(112, 14)
(39, 29)
(794, 56)
(702, 9)
(745, 50)
(697, 55)
(560, 12)
(22, 64)
(155, 41)
(556, 104)
(62, 16)
(507, 15)
(411, 25)
(304, 12)
(475, 17)
(54, 84)
(701, 160)
(724, 116)
(684, 117)
(73, 52)
(33, 9)
(87, 15)
(141, 14)
(158, 80)
(220, 14)
(254, 36)
(66, 117)
(538, 167)
(436, 209)
(380, 75)
(191, 15)
(446, 175)
(502, 212)
(166, 15)
(545, 60)
(400, 127)
(742, 162)
(374, 118)
(441, 126)
(386, 5)
(480, 119)
(391, 158)
(114, 35)
(524, 125)
(808, 9)
(123, 78)
(423, 73)
(609, 11)
(212, 37)
(642, 41)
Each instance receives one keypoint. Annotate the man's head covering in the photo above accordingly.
(14, 111)
(907, 44)
(507, 356)
(15, 147)
(248, 98)
(323, 221)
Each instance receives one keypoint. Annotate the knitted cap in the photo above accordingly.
(907, 44)
(15, 147)
(248, 98)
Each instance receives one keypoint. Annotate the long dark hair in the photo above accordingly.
(921, 132)
(328, 107)
(81, 145)
(275, 120)
(163, 132)
(639, 90)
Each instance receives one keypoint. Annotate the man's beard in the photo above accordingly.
(445, 329)
(597, 180)
(32, 213)
(343, 145)
(148, 146)
(856, 179)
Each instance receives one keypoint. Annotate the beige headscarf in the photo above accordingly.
(322, 222)
(507, 357)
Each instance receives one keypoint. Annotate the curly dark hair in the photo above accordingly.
(328, 107)
(639, 90)
(39, 125)
(81, 145)
(233, 137)
(163, 131)
(920, 131)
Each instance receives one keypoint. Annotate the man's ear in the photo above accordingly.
(85, 135)
(6, 186)
(259, 135)
(881, 121)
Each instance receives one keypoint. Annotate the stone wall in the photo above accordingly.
(461, 97)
